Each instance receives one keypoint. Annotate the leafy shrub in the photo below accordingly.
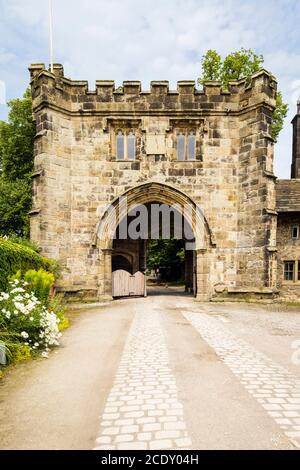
(58, 305)
(19, 352)
(22, 314)
(15, 257)
(15, 351)
(52, 266)
(25, 242)
(40, 282)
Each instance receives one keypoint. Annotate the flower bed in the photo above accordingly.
(27, 325)
(31, 316)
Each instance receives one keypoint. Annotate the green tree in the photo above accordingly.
(279, 115)
(15, 203)
(240, 64)
(211, 66)
(16, 165)
(165, 253)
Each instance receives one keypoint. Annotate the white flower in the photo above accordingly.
(26, 303)
(19, 298)
(18, 305)
(21, 307)
(17, 290)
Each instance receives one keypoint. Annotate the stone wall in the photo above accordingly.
(288, 250)
(296, 145)
(231, 179)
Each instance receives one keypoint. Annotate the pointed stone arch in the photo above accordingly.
(141, 195)
(154, 192)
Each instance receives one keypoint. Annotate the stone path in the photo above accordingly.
(143, 410)
(164, 372)
(276, 389)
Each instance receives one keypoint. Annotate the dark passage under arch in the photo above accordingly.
(121, 262)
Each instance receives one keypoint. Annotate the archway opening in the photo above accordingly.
(160, 243)
(111, 241)
(121, 262)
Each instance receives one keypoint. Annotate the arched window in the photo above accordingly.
(180, 147)
(120, 146)
(191, 146)
(131, 146)
(186, 145)
(125, 145)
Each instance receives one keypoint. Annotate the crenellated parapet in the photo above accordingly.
(56, 91)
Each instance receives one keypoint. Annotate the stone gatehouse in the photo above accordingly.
(210, 149)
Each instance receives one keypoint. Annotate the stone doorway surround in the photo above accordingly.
(164, 194)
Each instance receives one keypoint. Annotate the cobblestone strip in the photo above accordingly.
(142, 410)
(276, 389)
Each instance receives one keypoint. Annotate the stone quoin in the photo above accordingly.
(211, 149)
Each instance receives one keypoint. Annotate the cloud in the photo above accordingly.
(149, 40)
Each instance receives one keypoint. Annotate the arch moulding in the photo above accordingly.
(158, 193)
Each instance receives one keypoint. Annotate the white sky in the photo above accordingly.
(151, 40)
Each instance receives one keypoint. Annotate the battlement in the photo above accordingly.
(74, 95)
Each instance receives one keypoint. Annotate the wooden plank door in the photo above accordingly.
(125, 285)
(120, 283)
(137, 284)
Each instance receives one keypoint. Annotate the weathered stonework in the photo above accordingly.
(296, 145)
(231, 179)
(288, 207)
(288, 250)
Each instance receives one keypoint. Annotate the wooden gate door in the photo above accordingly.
(125, 285)
(120, 283)
(137, 284)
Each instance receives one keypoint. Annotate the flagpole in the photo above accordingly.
(51, 35)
